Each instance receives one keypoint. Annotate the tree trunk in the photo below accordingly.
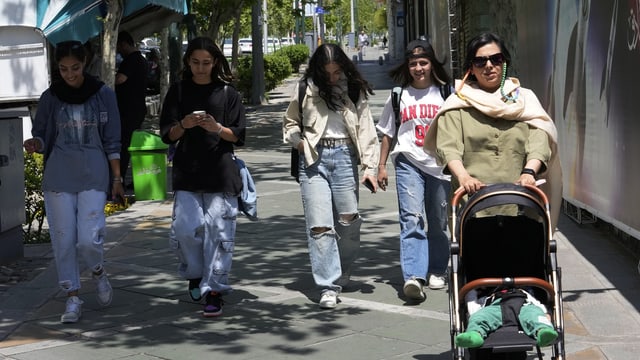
(236, 35)
(165, 65)
(109, 40)
(257, 60)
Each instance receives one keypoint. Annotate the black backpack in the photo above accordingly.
(354, 95)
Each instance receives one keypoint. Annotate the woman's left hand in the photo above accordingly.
(117, 191)
(526, 179)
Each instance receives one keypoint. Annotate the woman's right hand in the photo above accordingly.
(31, 145)
(469, 184)
(383, 179)
(191, 120)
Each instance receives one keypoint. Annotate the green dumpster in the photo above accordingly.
(148, 165)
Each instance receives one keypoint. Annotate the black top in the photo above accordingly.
(131, 93)
(203, 162)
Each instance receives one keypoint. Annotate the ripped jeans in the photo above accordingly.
(422, 199)
(77, 229)
(329, 191)
(203, 237)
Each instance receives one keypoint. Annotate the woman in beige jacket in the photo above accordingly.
(334, 134)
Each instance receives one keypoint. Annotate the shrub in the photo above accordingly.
(33, 230)
(297, 55)
(276, 69)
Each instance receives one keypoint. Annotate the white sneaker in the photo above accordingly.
(413, 289)
(73, 310)
(328, 300)
(103, 289)
(436, 282)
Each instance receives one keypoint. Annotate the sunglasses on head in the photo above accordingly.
(481, 61)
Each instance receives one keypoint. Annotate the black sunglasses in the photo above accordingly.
(481, 61)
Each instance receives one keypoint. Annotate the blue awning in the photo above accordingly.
(82, 19)
(77, 20)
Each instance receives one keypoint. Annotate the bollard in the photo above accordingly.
(380, 60)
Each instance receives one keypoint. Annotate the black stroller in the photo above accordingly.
(502, 238)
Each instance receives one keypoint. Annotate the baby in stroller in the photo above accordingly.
(490, 308)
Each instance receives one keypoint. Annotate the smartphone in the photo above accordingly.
(369, 185)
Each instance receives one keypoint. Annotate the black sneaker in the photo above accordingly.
(194, 289)
(213, 305)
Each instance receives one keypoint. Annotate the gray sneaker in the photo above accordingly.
(73, 310)
(103, 289)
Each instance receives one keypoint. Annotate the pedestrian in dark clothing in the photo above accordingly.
(131, 87)
(204, 115)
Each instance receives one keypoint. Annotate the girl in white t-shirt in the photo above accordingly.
(423, 190)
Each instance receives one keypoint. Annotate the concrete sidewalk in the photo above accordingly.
(273, 312)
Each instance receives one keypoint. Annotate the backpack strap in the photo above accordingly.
(302, 91)
(445, 91)
(396, 94)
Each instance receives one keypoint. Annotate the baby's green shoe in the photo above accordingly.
(469, 339)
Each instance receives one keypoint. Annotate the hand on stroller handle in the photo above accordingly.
(464, 191)
(461, 192)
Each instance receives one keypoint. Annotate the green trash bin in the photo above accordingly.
(148, 165)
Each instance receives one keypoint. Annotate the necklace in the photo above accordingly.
(507, 97)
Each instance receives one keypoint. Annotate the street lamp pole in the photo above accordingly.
(353, 17)
(265, 27)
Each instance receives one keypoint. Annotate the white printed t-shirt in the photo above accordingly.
(418, 108)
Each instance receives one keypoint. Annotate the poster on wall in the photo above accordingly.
(589, 75)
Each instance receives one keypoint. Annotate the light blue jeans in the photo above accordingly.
(421, 196)
(203, 237)
(77, 229)
(329, 191)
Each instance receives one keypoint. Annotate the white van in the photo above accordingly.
(246, 45)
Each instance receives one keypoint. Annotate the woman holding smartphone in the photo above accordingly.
(204, 115)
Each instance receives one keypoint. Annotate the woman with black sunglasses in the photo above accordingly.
(494, 130)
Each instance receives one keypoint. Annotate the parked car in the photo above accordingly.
(246, 45)
(285, 41)
(227, 47)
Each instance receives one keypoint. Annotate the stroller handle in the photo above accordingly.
(455, 201)
(511, 282)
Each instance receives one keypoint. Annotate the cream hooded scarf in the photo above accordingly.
(526, 108)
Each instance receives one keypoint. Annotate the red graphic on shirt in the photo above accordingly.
(420, 111)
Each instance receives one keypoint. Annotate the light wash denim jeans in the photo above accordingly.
(77, 230)
(329, 190)
(421, 195)
(203, 237)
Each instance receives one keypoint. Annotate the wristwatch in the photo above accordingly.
(118, 179)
